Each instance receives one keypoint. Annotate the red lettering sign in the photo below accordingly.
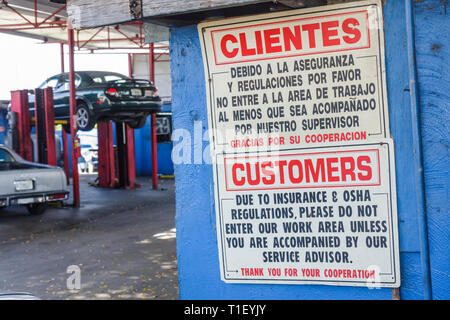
(309, 170)
(335, 32)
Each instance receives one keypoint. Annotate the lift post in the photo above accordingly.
(106, 163)
(125, 156)
(151, 66)
(45, 126)
(126, 166)
(20, 106)
(73, 123)
(64, 133)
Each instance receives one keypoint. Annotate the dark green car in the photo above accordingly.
(102, 96)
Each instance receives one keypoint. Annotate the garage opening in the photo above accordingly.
(84, 240)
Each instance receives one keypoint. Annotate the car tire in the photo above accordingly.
(36, 208)
(85, 118)
(138, 123)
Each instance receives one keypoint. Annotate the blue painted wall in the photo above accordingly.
(433, 51)
(198, 263)
(143, 151)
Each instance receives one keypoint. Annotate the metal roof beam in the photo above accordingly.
(43, 8)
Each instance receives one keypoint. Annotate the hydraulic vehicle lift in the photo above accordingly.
(20, 109)
(45, 126)
(19, 124)
(43, 122)
(116, 167)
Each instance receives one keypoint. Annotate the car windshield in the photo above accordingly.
(5, 156)
(49, 83)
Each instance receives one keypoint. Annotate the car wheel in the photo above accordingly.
(137, 123)
(85, 119)
(36, 208)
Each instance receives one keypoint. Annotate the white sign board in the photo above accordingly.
(303, 164)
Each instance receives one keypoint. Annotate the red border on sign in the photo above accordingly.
(305, 187)
(292, 55)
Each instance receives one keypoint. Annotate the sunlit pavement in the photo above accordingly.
(122, 240)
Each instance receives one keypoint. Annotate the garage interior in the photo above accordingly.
(120, 233)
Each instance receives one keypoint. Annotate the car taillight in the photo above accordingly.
(151, 93)
(56, 197)
(112, 92)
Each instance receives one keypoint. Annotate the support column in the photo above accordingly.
(61, 48)
(126, 167)
(106, 162)
(64, 133)
(130, 65)
(151, 67)
(73, 124)
(19, 105)
(131, 159)
(45, 126)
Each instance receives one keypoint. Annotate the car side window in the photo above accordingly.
(52, 83)
(63, 85)
(5, 156)
(60, 86)
(77, 81)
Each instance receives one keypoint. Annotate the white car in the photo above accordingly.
(28, 183)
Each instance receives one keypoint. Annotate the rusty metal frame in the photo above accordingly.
(36, 24)
(137, 42)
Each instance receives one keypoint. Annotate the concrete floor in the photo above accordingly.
(122, 240)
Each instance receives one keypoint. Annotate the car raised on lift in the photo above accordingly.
(102, 96)
(30, 184)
